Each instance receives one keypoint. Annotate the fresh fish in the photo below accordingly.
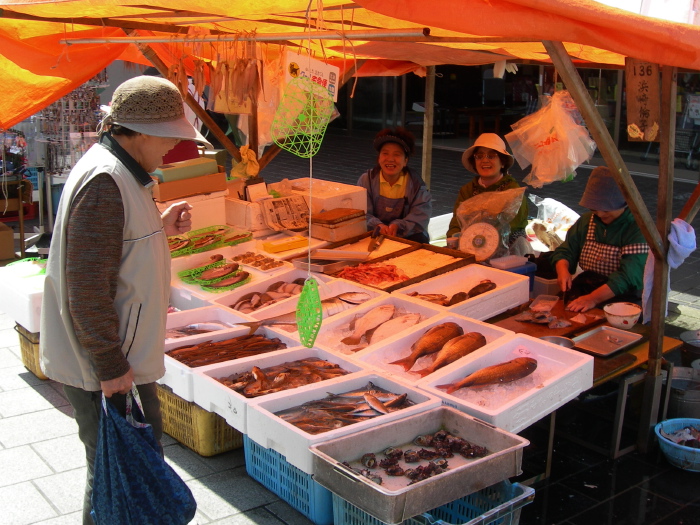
(196, 328)
(430, 342)
(435, 298)
(483, 287)
(371, 319)
(394, 326)
(458, 298)
(558, 322)
(454, 349)
(496, 374)
(331, 306)
(375, 404)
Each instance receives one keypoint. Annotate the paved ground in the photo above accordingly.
(41, 458)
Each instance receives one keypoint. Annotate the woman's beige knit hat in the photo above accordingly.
(152, 106)
(490, 141)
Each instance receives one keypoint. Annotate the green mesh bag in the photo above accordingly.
(302, 117)
(309, 313)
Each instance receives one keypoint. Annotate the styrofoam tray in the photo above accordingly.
(326, 290)
(393, 501)
(178, 376)
(213, 396)
(511, 290)
(338, 327)
(202, 315)
(229, 298)
(399, 347)
(271, 431)
(560, 376)
(182, 299)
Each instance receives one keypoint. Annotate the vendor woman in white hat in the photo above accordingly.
(490, 160)
(398, 201)
(606, 243)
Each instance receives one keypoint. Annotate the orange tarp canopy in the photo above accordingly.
(40, 69)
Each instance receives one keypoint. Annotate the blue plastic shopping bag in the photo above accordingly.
(133, 485)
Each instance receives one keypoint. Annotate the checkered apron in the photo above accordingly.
(604, 258)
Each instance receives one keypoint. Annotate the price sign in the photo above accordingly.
(319, 72)
(643, 100)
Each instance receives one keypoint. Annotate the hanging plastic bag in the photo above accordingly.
(553, 221)
(485, 222)
(133, 485)
(553, 140)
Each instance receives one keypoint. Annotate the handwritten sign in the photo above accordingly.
(643, 100)
(319, 72)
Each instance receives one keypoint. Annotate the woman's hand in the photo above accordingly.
(391, 229)
(564, 278)
(581, 304)
(118, 385)
(177, 218)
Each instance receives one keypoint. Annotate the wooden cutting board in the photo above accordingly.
(336, 215)
(594, 317)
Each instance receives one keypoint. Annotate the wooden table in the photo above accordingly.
(625, 367)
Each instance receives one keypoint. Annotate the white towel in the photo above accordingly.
(681, 240)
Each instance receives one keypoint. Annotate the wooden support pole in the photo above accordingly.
(153, 57)
(601, 135)
(653, 380)
(428, 119)
(691, 207)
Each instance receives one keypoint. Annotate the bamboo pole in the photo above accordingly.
(153, 57)
(428, 120)
(605, 143)
(653, 381)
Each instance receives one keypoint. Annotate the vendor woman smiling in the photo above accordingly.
(398, 202)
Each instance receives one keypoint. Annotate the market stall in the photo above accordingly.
(283, 440)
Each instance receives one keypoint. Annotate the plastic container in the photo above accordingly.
(685, 458)
(528, 269)
(507, 262)
(499, 503)
(271, 469)
(543, 303)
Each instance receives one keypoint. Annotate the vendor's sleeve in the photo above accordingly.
(464, 194)
(630, 276)
(570, 249)
(93, 258)
(365, 183)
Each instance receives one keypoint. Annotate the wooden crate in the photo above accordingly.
(29, 345)
(204, 432)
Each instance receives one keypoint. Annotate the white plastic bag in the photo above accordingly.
(555, 217)
(552, 140)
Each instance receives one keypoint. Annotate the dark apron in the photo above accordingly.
(387, 210)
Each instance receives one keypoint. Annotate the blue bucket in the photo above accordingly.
(686, 458)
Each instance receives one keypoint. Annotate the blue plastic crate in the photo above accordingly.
(498, 504)
(274, 472)
(528, 269)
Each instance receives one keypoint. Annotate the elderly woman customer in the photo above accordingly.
(398, 201)
(606, 243)
(103, 330)
(490, 160)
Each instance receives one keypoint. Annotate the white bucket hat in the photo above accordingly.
(152, 106)
(490, 141)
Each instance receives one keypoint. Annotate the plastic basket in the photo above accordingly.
(498, 504)
(297, 488)
(29, 346)
(204, 432)
(686, 458)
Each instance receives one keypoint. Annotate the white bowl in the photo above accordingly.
(622, 315)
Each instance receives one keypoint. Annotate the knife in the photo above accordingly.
(376, 239)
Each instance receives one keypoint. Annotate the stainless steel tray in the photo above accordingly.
(320, 265)
(605, 340)
(394, 500)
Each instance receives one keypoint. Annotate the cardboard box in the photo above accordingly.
(7, 242)
(186, 169)
(245, 215)
(177, 189)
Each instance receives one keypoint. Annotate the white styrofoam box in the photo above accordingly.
(245, 215)
(326, 290)
(182, 299)
(381, 356)
(178, 376)
(338, 327)
(560, 376)
(285, 255)
(20, 297)
(327, 195)
(511, 290)
(213, 396)
(215, 313)
(288, 275)
(208, 209)
(271, 431)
